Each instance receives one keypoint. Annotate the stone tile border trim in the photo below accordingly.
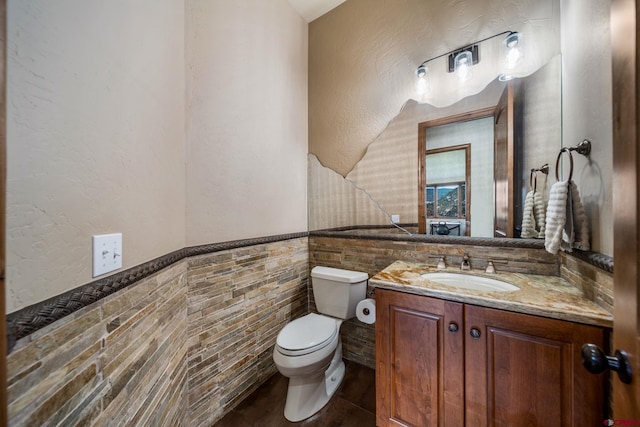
(360, 233)
(26, 321)
(604, 262)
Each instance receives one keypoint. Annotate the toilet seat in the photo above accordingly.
(306, 335)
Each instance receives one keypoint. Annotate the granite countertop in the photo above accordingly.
(547, 296)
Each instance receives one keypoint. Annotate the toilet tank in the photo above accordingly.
(337, 292)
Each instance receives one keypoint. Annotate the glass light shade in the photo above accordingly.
(513, 51)
(462, 64)
(422, 82)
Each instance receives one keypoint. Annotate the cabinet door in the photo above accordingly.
(419, 361)
(526, 371)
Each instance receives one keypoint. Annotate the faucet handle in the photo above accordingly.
(490, 268)
(464, 265)
(441, 264)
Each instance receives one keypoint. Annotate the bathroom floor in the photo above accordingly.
(353, 405)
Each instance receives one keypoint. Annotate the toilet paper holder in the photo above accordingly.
(366, 311)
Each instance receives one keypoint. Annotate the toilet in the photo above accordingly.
(308, 350)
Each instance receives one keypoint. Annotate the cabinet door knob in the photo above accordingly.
(453, 327)
(596, 362)
(475, 333)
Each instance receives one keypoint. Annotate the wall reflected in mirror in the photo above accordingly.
(385, 181)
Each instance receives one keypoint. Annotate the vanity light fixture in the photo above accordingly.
(461, 61)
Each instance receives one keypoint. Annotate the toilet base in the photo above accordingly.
(306, 395)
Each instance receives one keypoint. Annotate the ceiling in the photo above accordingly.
(312, 9)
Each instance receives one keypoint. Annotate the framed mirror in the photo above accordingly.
(363, 149)
(385, 182)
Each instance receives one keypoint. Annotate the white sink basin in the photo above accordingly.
(468, 281)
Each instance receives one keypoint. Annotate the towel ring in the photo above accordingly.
(583, 148)
(533, 180)
(568, 151)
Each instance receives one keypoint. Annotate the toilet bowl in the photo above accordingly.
(314, 366)
(308, 350)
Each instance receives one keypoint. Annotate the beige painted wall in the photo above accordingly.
(95, 137)
(173, 122)
(247, 126)
(587, 110)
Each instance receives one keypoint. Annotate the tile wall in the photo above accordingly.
(238, 301)
(121, 360)
(178, 348)
(596, 283)
(185, 345)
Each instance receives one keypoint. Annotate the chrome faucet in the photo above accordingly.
(464, 265)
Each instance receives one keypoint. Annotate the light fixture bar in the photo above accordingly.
(461, 61)
(473, 49)
(469, 46)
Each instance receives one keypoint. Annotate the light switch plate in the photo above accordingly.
(395, 219)
(107, 253)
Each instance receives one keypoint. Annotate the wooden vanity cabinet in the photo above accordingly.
(419, 363)
(526, 370)
(442, 363)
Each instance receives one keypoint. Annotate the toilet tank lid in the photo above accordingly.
(339, 274)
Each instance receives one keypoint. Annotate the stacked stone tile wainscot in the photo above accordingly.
(183, 346)
(179, 347)
(120, 360)
(238, 302)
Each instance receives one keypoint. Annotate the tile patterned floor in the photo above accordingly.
(353, 405)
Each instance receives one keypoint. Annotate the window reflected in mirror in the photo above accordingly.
(446, 201)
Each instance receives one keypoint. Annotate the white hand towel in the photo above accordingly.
(580, 238)
(528, 218)
(533, 216)
(566, 223)
(568, 234)
(556, 216)
(539, 213)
